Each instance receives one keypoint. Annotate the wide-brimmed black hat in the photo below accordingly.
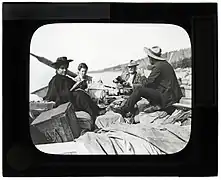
(61, 61)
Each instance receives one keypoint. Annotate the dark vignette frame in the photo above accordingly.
(21, 158)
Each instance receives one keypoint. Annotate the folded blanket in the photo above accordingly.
(122, 138)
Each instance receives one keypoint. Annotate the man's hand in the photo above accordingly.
(54, 103)
(137, 85)
(126, 83)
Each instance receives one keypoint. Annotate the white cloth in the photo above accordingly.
(34, 97)
(130, 80)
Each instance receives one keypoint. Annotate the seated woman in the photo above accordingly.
(60, 90)
(82, 76)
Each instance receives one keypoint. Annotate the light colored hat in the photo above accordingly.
(154, 52)
(132, 63)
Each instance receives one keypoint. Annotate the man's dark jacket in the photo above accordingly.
(163, 79)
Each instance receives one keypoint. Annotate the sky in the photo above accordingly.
(98, 45)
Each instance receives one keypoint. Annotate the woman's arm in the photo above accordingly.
(52, 93)
(49, 94)
(149, 82)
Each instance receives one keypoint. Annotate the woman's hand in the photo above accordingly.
(76, 85)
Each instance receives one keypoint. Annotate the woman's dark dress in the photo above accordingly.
(59, 92)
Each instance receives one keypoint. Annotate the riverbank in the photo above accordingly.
(107, 76)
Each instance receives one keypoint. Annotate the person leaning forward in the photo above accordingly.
(161, 88)
(129, 79)
(82, 76)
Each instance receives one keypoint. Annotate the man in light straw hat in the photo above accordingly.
(130, 77)
(161, 88)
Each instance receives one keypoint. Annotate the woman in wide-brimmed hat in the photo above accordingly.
(62, 61)
(60, 90)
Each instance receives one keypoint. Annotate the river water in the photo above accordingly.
(109, 76)
(106, 77)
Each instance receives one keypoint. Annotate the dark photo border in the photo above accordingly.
(198, 158)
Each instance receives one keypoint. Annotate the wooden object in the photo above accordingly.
(182, 106)
(49, 63)
(185, 103)
(41, 105)
(59, 124)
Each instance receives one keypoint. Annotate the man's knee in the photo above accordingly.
(138, 91)
(81, 93)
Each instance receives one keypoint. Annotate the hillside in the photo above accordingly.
(178, 59)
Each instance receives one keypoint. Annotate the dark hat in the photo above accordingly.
(154, 52)
(132, 63)
(61, 60)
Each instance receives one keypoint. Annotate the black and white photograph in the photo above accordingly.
(110, 89)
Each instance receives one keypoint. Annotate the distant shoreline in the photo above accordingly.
(120, 70)
(178, 59)
(102, 71)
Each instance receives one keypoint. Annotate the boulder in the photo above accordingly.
(84, 120)
(148, 118)
(108, 119)
(142, 104)
(34, 97)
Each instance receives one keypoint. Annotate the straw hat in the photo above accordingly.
(154, 52)
(132, 63)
